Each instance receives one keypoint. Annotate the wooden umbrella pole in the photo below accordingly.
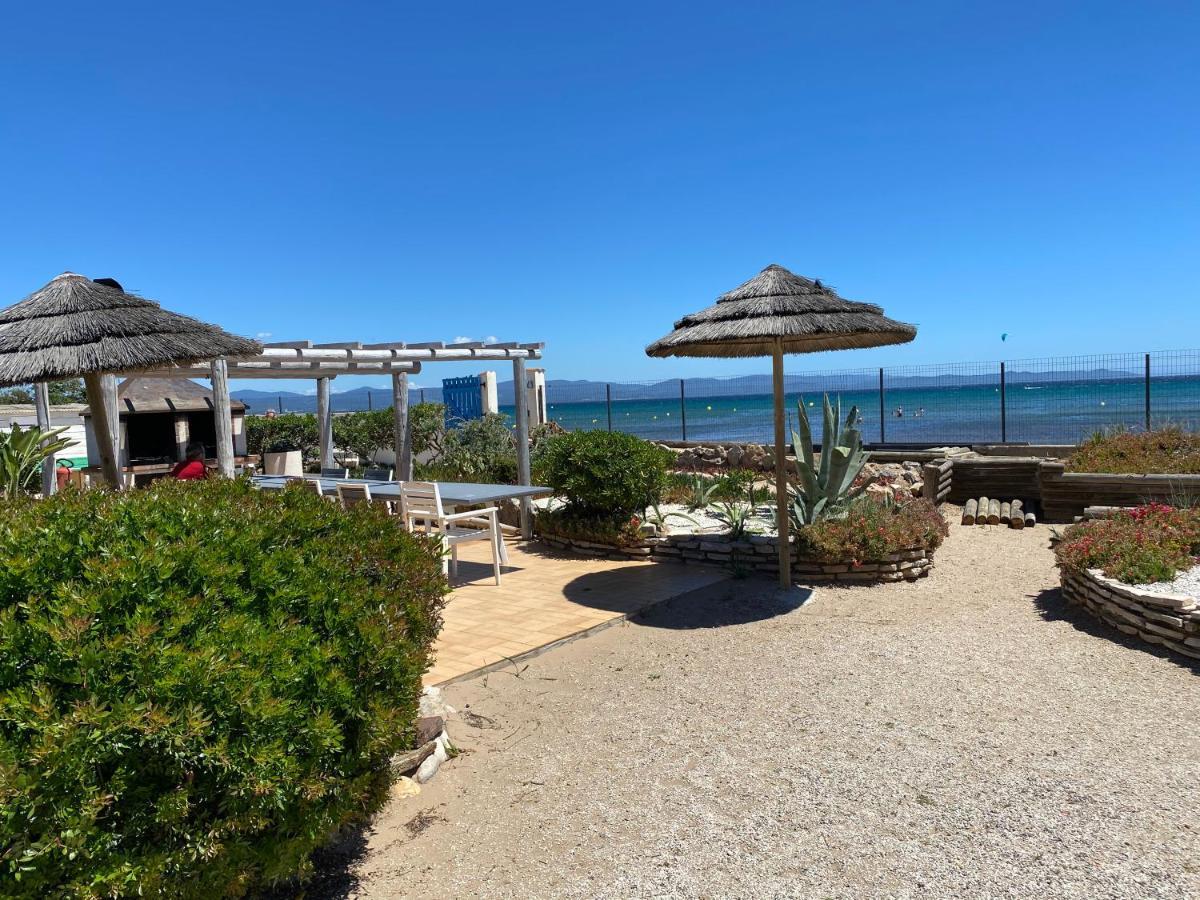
(101, 429)
(781, 495)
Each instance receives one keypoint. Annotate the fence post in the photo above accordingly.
(882, 416)
(608, 403)
(369, 407)
(1147, 391)
(1003, 409)
(422, 395)
(279, 403)
(682, 412)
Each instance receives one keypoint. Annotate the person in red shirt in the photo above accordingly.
(191, 469)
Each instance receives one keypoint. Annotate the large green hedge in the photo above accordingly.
(199, 683)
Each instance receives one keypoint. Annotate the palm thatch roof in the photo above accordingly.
(779, 305)
(162, 395)
(74, 326)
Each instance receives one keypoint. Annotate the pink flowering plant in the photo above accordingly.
(1144, 545)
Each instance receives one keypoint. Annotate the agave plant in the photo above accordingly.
(22, 452)
(736, 516)
(824, 491)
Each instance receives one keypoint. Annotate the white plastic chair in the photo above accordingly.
(421, 509)
(314, 487)
(351, 494)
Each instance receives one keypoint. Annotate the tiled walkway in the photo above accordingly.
(545, 598)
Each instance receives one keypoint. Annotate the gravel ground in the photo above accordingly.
(963, 736)
(1186, 582)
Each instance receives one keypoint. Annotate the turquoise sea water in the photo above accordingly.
(1055, 412)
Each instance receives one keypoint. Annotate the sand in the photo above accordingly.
(966, 735)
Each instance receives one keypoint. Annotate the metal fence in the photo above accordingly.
(1052, 400)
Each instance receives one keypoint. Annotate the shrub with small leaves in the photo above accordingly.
(199, 683)
(604, 474)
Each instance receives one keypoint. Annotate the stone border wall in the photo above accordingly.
(1169, 620)
(757, 553)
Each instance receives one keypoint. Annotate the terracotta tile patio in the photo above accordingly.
(545, 598)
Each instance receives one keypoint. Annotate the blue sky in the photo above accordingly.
(584, 174)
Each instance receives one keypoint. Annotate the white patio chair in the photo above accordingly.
(352, 494)
(421, 510)
(314, 487)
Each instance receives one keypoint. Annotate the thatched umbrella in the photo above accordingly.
(75, 326)
(774, 313)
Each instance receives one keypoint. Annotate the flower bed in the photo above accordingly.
(873, 543)
(1167, 451)
(1104, 560)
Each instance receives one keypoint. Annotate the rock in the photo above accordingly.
(883, 491)
(432, 703)
(917, 488)
(734, 455)
(648, 529)
(404, 787)
(509, 512)
(428, 728)
(434, 761)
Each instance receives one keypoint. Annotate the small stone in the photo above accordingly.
(404, 787)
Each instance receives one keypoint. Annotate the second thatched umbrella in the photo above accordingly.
(774, 313)
(76, 327)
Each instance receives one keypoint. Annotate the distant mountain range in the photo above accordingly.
(585, 391)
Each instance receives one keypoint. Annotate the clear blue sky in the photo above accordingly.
(584, 174)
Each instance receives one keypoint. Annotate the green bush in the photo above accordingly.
(483, 450)
(199, 683)
(291, 431)
(604, 474)
(1165, 451)
(365, 433)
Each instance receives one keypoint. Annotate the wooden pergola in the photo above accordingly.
(324, 362)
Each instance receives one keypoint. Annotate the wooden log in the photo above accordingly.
(993, 516)
(1016, 515)
(1005, 511)
(981, 511)
(969, 509)
(1030, 520)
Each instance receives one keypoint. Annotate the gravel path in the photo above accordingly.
(963, 736)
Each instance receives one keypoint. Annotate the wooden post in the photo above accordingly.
(401, 434)
(41, 398)
(521, 402)
(98, 403)
(112, 402)
(608, 403)
(222, 417)
(183, 436)
(781, 495)
(324, 423)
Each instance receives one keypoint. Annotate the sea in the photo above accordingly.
(1052, 412)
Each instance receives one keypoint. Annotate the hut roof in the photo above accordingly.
(160, 395)
(777, 304)
(74, 326)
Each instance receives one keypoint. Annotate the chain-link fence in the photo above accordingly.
(1053, 400)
